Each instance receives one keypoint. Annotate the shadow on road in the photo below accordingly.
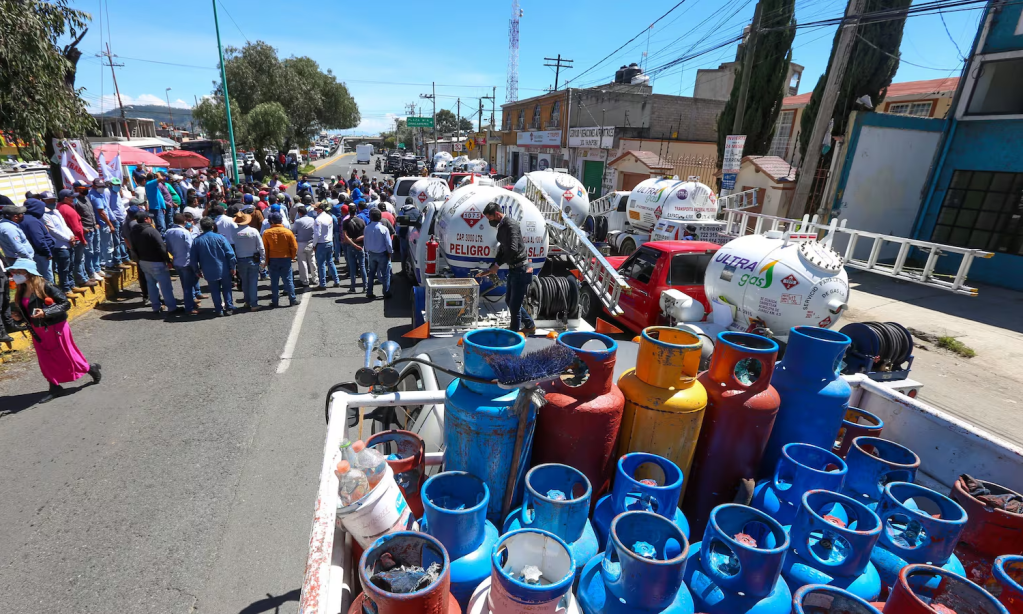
(20, 402)
(271, 603)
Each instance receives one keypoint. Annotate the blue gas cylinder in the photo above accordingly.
(640, 570)
(644, 482)
(801, 468)
(736, 569)
(813, 394)
(479, 425)
(915, 533)
(831, 539)
(455, 512)
(557, 499)
(875, 462)
(824, 599)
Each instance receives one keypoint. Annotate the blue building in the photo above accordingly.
(975, 193)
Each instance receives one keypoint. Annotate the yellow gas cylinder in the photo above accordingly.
(664, 402)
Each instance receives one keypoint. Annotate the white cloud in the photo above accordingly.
(376, 124)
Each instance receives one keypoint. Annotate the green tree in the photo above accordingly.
(872, 66)
(311, 100)
(209, 114)
(446, 122)
(38, 98)
(768, 80)
(266, 125)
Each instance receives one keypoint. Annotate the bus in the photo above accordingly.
(216, 151)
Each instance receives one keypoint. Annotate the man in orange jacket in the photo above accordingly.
(281, 248)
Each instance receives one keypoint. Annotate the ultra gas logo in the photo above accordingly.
(763, 277)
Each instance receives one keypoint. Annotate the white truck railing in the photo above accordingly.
(602, 206)
(594, 269)
(507, 181)
(737, 224)
(739, 201)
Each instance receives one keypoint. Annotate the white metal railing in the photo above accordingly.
(594, 269)
(737, 224)
(507, 181)
(602, 206)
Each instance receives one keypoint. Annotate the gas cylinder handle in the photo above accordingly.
(611, 566)
(368, 606)
(525, 517)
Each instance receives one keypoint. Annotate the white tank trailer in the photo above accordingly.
(565, 190)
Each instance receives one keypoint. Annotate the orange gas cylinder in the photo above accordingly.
(664, 402)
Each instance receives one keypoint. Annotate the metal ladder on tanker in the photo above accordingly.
(737, 224)
(594, 269)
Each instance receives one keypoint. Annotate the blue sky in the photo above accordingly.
(464, 50)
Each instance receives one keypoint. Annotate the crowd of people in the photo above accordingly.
(200, 226)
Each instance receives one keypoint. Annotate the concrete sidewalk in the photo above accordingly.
(987, 389)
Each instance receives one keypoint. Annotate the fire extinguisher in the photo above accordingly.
(431, 256)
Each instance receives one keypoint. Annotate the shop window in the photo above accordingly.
(982, 210)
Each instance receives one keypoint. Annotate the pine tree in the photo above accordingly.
(872, 66)
(768, 80)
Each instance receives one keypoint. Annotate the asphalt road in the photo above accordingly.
(185, 481)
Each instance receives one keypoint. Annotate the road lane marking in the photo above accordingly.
(333, 160)
(296, 328)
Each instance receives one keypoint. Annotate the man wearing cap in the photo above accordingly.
(324, 237)
(136, 205)
(62, 237)
(213, 259)
(281, 248)
(85, 212)
(179, 243)
(66, 208)
(154, 260)
(354, 227)
(116, 212)
(251, 254)
(99, 198)
(305, 230)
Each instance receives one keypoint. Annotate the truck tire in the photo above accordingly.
(589, 306)
(628, 247)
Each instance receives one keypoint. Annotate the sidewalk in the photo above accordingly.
(107, 290)
(987, 389)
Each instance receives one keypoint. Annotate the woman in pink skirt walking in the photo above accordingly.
(44, 308)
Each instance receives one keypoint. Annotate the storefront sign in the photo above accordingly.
(543, 138)
(594, 136)
(732, 160)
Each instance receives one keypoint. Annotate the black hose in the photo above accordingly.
(451, 372)
(600, 229)
(895, 345)
(555, 296)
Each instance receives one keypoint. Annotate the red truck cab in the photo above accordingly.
(655, 267)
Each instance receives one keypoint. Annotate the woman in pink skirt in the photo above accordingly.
(44, 307)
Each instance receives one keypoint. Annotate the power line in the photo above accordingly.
(899, 58)
(945, 25)
(234, 22)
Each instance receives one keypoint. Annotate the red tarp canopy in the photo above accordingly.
(129, 155)
(179, 158)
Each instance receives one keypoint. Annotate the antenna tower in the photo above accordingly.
(512, 91)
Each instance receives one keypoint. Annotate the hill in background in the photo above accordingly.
(157, 113)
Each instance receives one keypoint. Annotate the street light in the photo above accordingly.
(169, 112)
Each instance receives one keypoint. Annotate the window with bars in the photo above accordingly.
(555, 119)
(535, 124)
(521, 120)
(982, 210)
(507, 121)
(921, 109)
(782, 133)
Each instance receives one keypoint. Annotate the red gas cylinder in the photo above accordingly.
(741, 408)
(990, 532)
(381, 593)
(409, 464)
(916, 592)
(579, 424)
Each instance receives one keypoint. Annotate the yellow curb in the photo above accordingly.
(107, 290)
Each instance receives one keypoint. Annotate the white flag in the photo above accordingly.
(73, 166)
(101, 166)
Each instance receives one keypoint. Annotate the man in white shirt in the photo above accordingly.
(225, 224)
(192, 206)
(324, 236)
(305, 229)
(63, 238)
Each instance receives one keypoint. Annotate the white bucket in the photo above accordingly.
(382, 511)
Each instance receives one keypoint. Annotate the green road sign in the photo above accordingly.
(419, 122)
(401, 145)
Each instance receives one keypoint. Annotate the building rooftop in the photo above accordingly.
(774, 167)
(895, 90)
(647, 158)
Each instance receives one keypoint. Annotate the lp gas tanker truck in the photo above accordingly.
(563, 189)
(661, 209)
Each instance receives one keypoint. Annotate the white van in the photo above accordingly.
(297, 155)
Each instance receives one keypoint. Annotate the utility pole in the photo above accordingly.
(493, 105)
(433, 97)
(836, 72)
(557, 66)
(458, 124)
(110, 62)
(227, 99)
(747, 68)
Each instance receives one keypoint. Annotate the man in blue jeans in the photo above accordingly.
(378, 246)
(281, 248)
(154, 260)
(323, 234)
(248, 249)
(353, 230)
(212, 259)
(156, 203)
(179, 244)
(512, 252)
